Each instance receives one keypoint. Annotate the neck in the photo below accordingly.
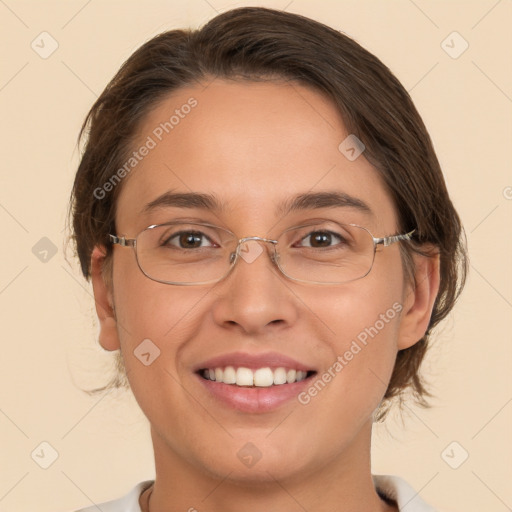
(341, 483)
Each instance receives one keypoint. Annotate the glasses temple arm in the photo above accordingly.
(388, 240)
(122, 241)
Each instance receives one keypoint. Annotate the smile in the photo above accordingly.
(253, 382)
(260, 377)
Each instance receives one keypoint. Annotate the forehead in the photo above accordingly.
(252, 145)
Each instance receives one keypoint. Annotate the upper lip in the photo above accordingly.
(253, 361)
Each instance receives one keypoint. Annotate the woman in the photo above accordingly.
(270, 242)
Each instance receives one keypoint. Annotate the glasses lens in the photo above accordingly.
(190, 253)
(185, 253)
(326, 252)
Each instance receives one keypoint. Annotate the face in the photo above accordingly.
(254, 146)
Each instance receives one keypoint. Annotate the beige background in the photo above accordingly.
(49, 347)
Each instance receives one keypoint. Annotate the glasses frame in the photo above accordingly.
(234, 257)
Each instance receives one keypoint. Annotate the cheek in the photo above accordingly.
(345, 394)
(362, 322)
(146, 308)
(364, 327)
(366, 355)
(155, 319)
(156, 323)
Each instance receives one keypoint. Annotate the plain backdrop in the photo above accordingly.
(49, 349)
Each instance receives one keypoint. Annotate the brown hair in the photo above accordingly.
(261, 44)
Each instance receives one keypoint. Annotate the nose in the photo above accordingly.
(255, 297)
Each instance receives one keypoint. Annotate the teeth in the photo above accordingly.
(262, 377)
(280, 376)
(228, 376)
(244, 377)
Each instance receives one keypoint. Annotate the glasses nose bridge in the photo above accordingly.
(256, 238)
(250, 255)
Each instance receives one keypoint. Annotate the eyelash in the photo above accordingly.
(180, 233)
(203, 235)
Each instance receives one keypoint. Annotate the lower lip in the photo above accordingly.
(254, 399)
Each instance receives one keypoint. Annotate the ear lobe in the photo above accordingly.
(418, 300)
(103, 299)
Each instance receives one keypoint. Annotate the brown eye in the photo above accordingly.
(188, 240)
(319, 239)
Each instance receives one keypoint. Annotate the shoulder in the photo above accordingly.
(399, 490)
(390, 486)
(128, 503)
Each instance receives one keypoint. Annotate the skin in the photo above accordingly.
(253, 145)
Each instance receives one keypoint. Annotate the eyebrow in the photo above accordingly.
(306, 201)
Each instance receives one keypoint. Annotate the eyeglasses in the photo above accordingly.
(319, 252)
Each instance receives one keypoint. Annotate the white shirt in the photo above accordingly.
(393, 487)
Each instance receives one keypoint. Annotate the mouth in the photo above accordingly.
(263, 377)
(253, 383)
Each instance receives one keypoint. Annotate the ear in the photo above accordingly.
(103, 298)
(418, 300)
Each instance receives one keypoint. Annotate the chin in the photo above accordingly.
(256, 462)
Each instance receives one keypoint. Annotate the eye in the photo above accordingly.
(319, 239)
(188, 240)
